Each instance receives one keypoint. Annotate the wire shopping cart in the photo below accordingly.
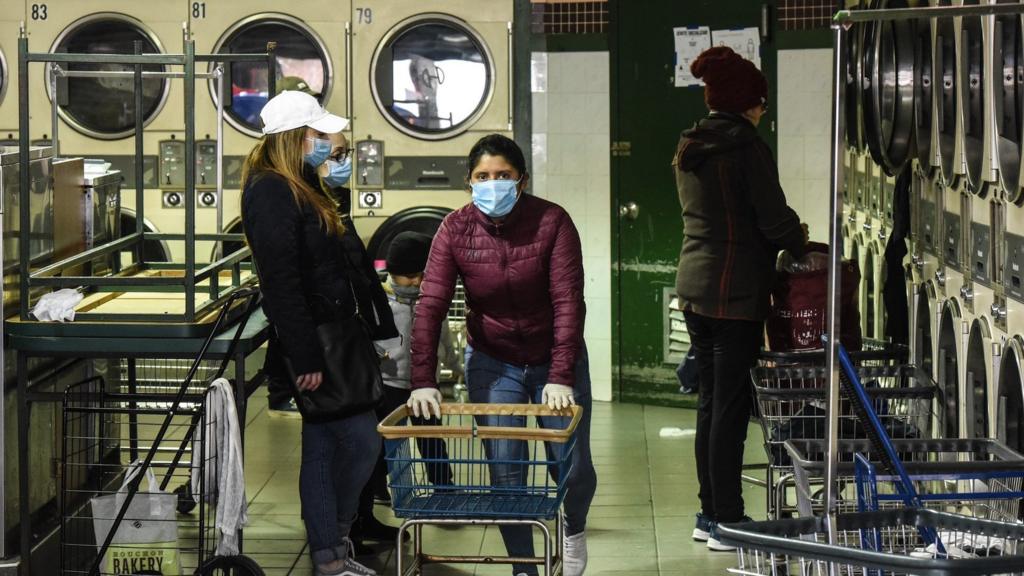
(122, 451)
(454, 486)
(981, 478)
(792, 404)
(875, 543)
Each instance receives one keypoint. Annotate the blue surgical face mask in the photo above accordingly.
(321, 152)
(495, 198)
(338, 173)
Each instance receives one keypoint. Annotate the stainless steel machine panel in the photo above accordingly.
(929, 236)
(424, 172)
(369, 156)
(980, 256)
(951, 240)
(1014, 270)
(40, 208)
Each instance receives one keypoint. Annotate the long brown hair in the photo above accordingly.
(281, 154)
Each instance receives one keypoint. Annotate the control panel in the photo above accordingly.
(928, 236)
(1013, 275)
(433, 173)
(369, 164)
(951, 239)
(981, 261)
(172, 173)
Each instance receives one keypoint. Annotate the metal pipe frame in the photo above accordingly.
(125, 73)
(47, 276)
(551, 560)
(843, 17)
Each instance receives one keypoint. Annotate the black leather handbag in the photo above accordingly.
(352, 382)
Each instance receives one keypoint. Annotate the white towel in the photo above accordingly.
(57, 306)
(221, 445)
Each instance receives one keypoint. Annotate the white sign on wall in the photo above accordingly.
(744, 41)
(689, 42)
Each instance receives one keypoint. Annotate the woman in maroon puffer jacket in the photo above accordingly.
(520, 261)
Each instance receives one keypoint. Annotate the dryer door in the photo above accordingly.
(302, 64)
(1008, 84)
(948, 406)
(104, 108)
(976, 385)
(1010, 402)
(944, 59)
(432, 77)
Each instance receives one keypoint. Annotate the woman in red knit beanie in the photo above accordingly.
(735, 220)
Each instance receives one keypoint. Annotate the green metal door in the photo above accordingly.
(648, 113)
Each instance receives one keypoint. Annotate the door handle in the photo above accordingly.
(629, 211)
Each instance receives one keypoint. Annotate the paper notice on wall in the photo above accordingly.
(744, 41)
(689, 42)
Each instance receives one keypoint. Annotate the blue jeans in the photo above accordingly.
(337, 459)
(492, 381)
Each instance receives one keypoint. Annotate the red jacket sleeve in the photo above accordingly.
(566, 286)
(436, 294)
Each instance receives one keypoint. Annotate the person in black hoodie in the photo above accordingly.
(293, 227)
(735, 220)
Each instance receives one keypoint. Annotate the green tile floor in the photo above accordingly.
(639, 524)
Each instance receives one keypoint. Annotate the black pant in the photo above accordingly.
(439, 474)
(725, 351)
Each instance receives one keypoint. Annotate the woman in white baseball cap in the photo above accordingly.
(295, 232)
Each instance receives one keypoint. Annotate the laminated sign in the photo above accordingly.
(146, 541)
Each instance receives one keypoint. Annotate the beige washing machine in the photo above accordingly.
(433, 77)
(1002, 57)
(311, 45)
(10, 25)
(951, 326)
(98, 120)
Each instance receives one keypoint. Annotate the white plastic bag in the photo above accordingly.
(147, 538)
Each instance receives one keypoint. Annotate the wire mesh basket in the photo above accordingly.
(791, 400)
(879, 543)
(480, 461)
(104, 434)
(873, 353)
(975, 477)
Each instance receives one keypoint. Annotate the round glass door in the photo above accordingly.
(432, 77)
(302, 63)
(105, 107)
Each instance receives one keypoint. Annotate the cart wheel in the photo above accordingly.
(186, 503)
(230, 566)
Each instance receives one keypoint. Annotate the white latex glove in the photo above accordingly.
(422, 400)
(557, 396)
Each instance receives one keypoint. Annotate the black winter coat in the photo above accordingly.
(735, 219)
(308, 277)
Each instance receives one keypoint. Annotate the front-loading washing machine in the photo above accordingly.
(98, 119)
(311, 53)
(1008, 422)
(11, 22)
(951, 328)
(433, 77)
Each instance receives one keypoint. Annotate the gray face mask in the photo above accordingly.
(406, 292)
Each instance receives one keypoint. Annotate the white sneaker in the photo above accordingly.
(574, 555)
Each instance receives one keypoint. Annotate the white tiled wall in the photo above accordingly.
(804, 98)
(572, 167)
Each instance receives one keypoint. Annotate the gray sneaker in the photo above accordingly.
(346, 567)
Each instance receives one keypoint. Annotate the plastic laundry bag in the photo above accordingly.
(800, 302)
(146, 542)
(57, 306)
